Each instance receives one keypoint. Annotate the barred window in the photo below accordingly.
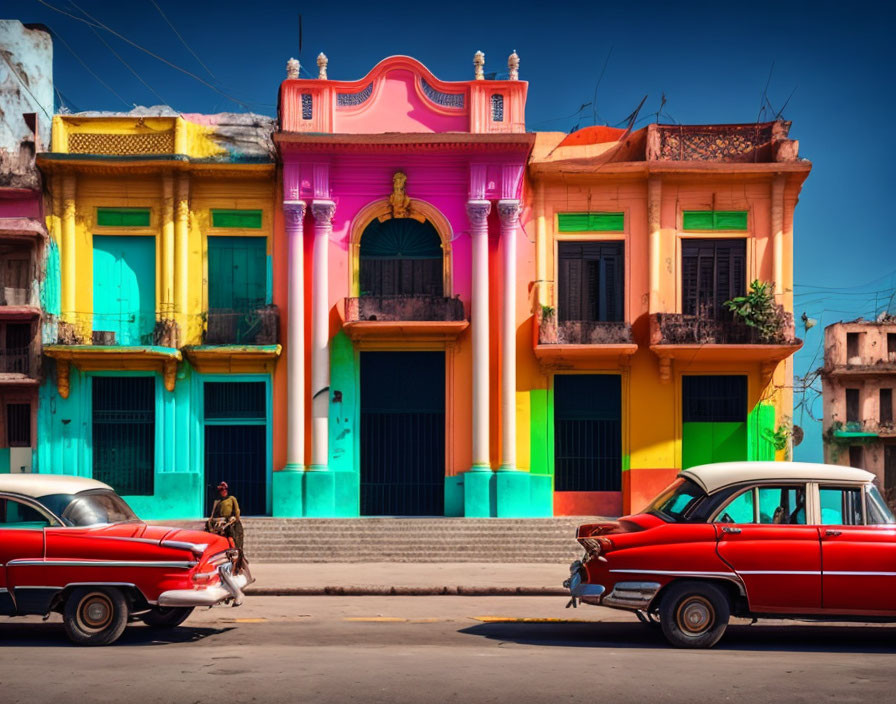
(307, 106)
(498, 108)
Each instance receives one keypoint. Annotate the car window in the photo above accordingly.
(677, 501)
(782, 505)
(18, 515)
(740, 509)
(840, 506)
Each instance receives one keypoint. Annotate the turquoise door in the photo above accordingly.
(124, 287)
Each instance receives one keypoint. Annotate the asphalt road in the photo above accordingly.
(441, 649)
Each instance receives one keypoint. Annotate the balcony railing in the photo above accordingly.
(14, 296)
(759, 142)
(18, 361)
(403, 308)
(260, 326)
(582, 332)
(681, 329)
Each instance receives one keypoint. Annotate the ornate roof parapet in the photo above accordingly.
(479, 66)
(322, 62)
(292, 68)
(400, 95)
(513, 65)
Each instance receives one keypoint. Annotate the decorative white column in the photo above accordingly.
(477, 211)
(322, 210)
(295, 358)
(509, 212)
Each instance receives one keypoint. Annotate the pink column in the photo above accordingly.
(295, 342)
(509, 212)
(322, 210)
(478, 211)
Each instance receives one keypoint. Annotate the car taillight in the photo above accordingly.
(595, 547)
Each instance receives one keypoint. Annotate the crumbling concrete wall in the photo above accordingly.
(26, 87)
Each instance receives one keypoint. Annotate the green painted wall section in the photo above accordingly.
(702, 443)
(124, 279)
(50, 286)
(65, 429)
(591, 222)
(760, 432)
(237, 272)
(122, 217)
(714, 220)
(541, 431)
(4, 460)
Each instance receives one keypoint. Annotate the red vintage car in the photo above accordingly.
(751, 539)
(71, 545)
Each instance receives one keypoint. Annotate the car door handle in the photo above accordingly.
(730, 529)
(833, 533)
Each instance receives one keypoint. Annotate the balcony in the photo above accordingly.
(17, 291)
(260, 326)
(576, 344)
(418, 317)
(19, 365)
(705, 338)
(856, 430)
(860, 367)
(747, 143)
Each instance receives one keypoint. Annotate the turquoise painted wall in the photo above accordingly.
(124, 277)
(64, 432)
(4, 460)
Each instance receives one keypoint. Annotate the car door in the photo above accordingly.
(858, 560)
(763, 535)
(21, 537)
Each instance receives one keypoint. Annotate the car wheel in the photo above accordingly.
(694, 614)
(95, 615)
(160, 617)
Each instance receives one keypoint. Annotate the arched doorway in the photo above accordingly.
(401, 257)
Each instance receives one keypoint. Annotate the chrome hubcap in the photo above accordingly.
(95, 612)
(695, 615)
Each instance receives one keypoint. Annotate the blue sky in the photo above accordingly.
(830, 62)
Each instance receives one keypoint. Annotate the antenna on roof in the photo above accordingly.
(300, 35)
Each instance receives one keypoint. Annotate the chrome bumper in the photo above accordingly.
(635, 596)
(230, 589)
(579, 590)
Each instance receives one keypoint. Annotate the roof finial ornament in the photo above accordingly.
(513, 63)
(292, 68)
(479, 66)
(322, 61)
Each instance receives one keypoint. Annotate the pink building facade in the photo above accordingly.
(396, 268)
(859, 381)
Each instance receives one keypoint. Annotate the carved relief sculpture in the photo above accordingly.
(479, 66)
(399, 203)
(292, 68)
(322, 61)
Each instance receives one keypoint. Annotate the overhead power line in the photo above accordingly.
(89, 70)
(183, 41)
(144, 50)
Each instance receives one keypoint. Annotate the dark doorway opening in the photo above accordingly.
(587, 432)
(402, 433)
(236, 443)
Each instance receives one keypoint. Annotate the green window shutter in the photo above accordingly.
(714, 220)
(591, 222)
(249, 219)
(122, 217)
(237, 272)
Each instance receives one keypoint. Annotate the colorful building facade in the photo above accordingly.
(639, 369)
(397, 301)
(858, 384)
(158, 374)
(26, 97)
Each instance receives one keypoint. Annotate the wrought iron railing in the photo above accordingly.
(18, 360)
(681, 329)
(582, 332)
(731, 143)
(258, 326)
(398, 308)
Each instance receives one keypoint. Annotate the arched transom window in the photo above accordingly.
(401, 257)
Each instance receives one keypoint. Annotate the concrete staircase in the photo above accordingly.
(409, 539)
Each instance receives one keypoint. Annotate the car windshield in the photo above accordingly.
(676, 501)
(876, 510)
(89, 508)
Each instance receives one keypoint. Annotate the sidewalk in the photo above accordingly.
(408, 579)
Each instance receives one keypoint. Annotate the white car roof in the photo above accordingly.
(712, 477)
(37, 485)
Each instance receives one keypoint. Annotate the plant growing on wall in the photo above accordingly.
(758, 310)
